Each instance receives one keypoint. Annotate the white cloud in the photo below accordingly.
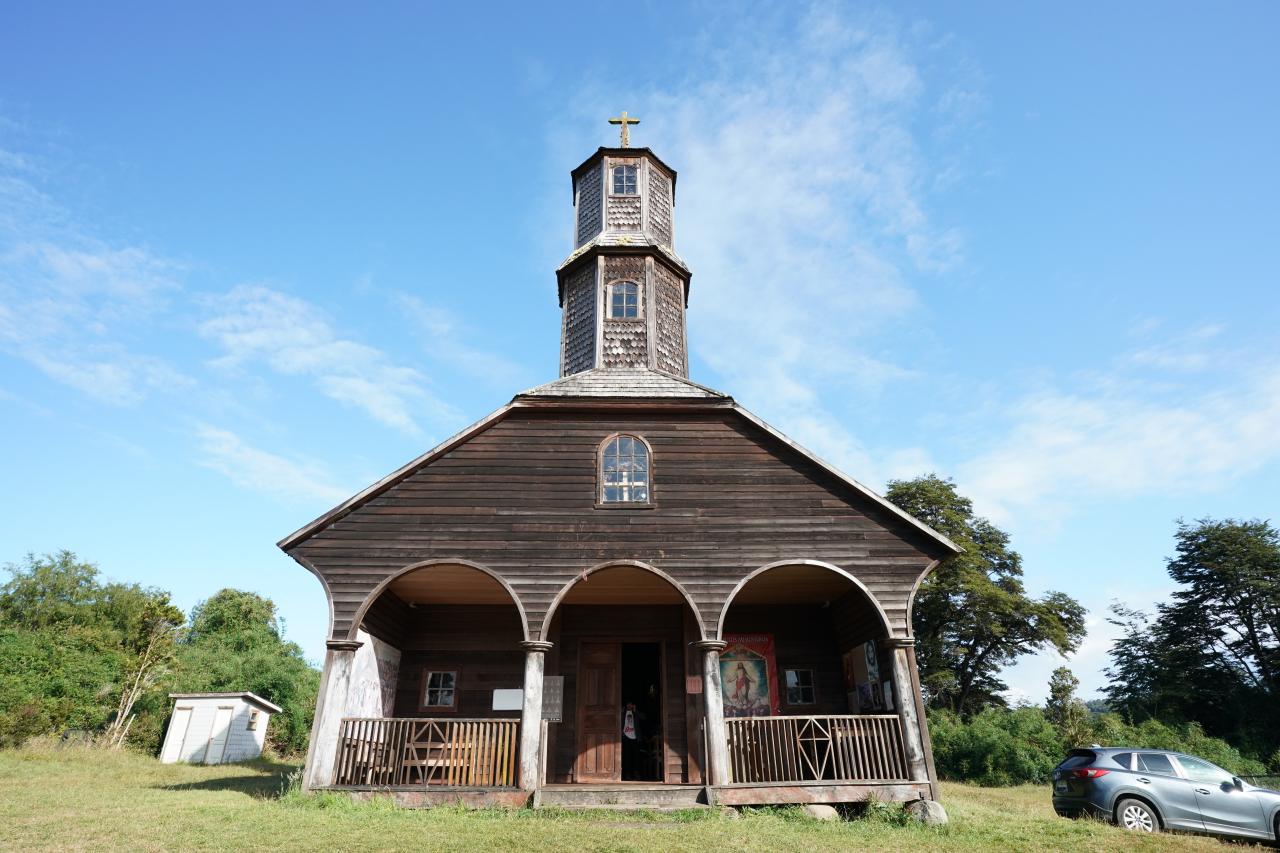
(1125, 439)
(247, 466)
(70, 303)
(446, 340)
(802, 206)
(291, 336)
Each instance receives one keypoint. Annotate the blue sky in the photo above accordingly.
(254, 257)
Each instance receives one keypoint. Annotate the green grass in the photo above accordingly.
(75, 799)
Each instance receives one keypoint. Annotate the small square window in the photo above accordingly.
(440, 690)
(800, 687)
(253, 720)
(624, 180)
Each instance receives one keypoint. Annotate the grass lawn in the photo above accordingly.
(74, 799)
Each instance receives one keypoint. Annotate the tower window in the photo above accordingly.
(624, 300)
(624, 470)
(624, 180)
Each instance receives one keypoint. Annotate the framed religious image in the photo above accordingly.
(873, 662)
(749, 676)
(877, 696)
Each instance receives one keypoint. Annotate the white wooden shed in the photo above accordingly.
(216, 728)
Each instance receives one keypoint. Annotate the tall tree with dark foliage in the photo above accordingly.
(973, 616)
(1212, 653)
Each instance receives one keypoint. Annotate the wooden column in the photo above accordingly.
(910, 709)
(535, 652)
(331, 707)
(713, 703)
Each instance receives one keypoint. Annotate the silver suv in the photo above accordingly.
(1147, 790)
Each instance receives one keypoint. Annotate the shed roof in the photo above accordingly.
(251, 698)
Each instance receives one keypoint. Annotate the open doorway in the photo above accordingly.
(642, 735)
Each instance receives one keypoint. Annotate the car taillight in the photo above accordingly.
(1089, 772)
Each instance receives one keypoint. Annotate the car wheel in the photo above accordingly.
(1137, 816)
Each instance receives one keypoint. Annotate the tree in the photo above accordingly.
(973, 617)
(72, 646)
(236, 643)
(1065, 711)
(1211, 655)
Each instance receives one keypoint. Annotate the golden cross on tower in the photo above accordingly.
(626, 131)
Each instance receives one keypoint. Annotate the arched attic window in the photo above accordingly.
(624, 470)
(624, 180)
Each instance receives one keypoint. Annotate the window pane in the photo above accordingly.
(1123, 759)
(624, 446)
(640, 493)
(1155, 763)
(611, 494)
(1203, 771)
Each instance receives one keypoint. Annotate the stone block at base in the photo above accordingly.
(928, 812)
(821, 812)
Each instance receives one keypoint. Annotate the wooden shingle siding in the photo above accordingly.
(519, 498)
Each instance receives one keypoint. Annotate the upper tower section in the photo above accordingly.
(623, 289)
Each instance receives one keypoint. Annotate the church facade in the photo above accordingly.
(621, 587)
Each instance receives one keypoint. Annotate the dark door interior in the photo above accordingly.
(642, 695)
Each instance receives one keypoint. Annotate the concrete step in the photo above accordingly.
(626, 796)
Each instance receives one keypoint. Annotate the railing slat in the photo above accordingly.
(409, 751)
(849, 748)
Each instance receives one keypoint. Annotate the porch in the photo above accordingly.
(647, 713)
(771, 759)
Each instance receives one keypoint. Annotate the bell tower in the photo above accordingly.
(623, 289)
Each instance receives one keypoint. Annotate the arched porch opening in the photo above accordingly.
(435, 681)
(812, 689)
(622, 639)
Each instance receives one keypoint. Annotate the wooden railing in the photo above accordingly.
(816, 749)
(466, 753)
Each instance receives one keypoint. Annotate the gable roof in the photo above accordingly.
(595, 386)
(251, 698)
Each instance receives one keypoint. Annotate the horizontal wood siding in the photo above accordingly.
(519, 498)
(481, 642)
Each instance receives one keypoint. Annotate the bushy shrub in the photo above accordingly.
(1010, 747)
(995, 747)
(1112, 730)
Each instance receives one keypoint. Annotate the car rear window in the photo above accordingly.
(1154, 762)
(1123, 759)
(1078, 758)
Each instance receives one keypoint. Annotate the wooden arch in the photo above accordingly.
(358, 619)
(616, 564)
(724, 611)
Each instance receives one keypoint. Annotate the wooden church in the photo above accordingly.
(621, 587)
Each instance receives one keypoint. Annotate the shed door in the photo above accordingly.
(218, 735)
(177, 734)
(599, 737)
(196, 741)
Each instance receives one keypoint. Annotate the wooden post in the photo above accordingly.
(331, 707)
(531, 715)
(902, 650)
(713, 702)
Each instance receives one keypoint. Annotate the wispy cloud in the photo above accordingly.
(1126, 439)
(447, 340)
(291, 336)
(70, 303)
(260, 471)
(803, 205)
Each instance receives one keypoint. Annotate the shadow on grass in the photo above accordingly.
(271, 781)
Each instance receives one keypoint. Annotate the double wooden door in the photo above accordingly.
(599, 711)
